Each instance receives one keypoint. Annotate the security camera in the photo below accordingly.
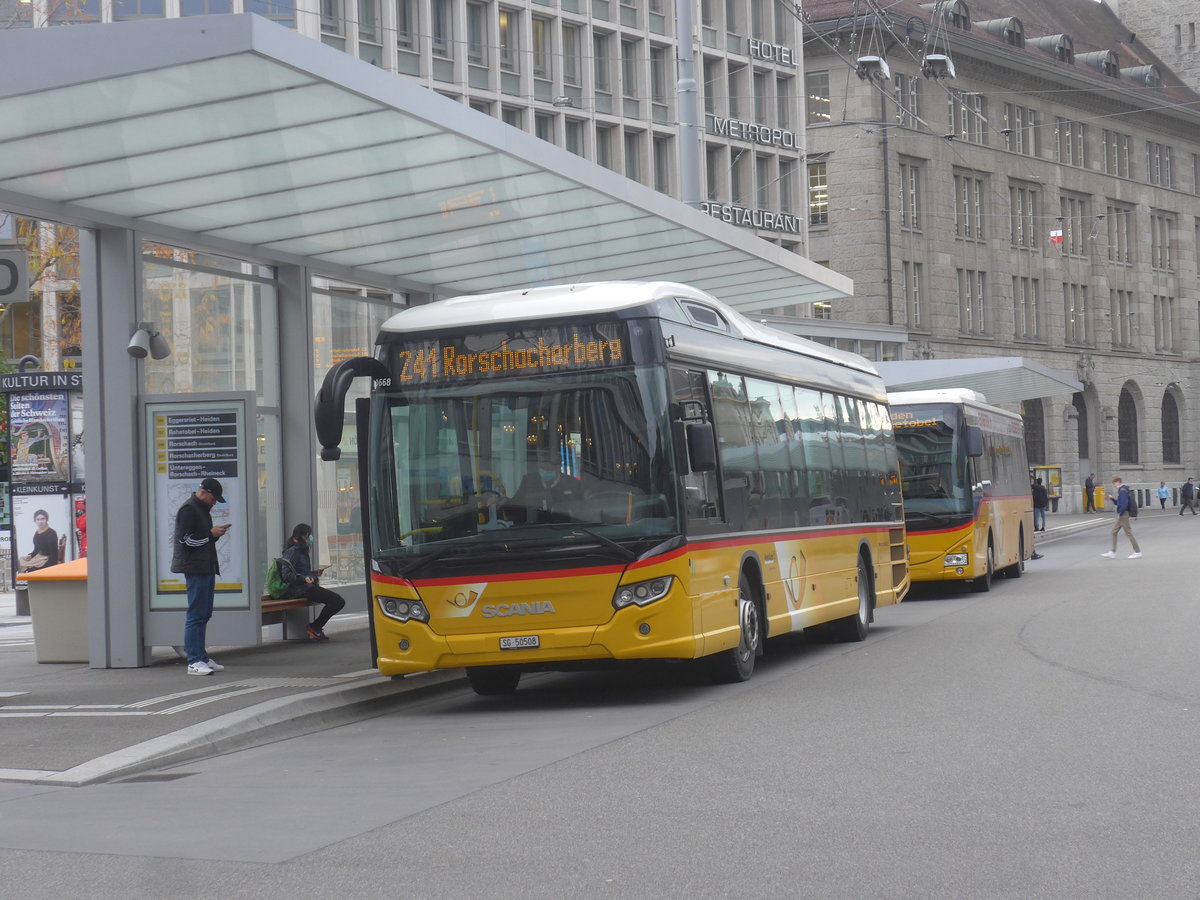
(139, 344)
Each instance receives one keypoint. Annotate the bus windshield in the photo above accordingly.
(523, 461)
(933, 461)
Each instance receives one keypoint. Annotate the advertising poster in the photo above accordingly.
(77, 467)
(190, 444)
(42, 529)
(39, 437)
(79, 505)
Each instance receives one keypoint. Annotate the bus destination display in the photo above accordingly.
(505, 354)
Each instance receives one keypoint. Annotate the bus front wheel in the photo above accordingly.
(492, 681)
(984, 581)
(855, 627)
(737, 664)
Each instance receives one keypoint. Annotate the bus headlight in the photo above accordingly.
(404, 610)
(955, 559)
(642, 592)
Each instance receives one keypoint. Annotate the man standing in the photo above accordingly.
(195, 556)
(1125, 511)
(1041, 499)
(1187, 496)
(1089, 493)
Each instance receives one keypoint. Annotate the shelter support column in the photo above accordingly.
(297, 390)
(110, 276)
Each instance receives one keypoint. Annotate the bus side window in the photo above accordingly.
(701, 497)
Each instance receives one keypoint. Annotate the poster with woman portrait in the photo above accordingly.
(42, 529)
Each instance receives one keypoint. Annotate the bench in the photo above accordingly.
(276, 612)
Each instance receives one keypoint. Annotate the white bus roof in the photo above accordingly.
(592, 298)
(946, 395)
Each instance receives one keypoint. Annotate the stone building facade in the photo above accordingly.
(1043, 202)
(1169, 28)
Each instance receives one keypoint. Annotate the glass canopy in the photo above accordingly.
(237, 134)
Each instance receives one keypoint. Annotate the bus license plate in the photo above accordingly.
(524, 642)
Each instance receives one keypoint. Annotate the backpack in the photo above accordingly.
(280, 575)
(1133, 507)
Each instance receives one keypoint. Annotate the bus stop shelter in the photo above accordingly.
(234, 135)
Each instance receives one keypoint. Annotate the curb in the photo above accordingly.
(239, 730)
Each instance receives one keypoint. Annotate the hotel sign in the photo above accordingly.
(752, 218)
(752, 131)
(772, 52)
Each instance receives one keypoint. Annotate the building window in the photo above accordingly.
(573, 136)
(739, 178)
(543, 127)
(737, 89)
(406, 24)
(969, 193)
(816, 87)
(1159, 169)
(787, 185)
(972, 302)
(332, 17)
(662, 164)
(441, 27)
(818, 194)
(513, 115)
(1021, 129)
(1033, 416)
(762, 98)
(658, 75)
(784, 101)
(908, 114)
(510, 26)
(572, 43)
(604, 146)
(968, 116)
(477, 34)
(763, 181)
(1120, 234)
(1165, 325)
(1075, 313)
(910, 194)
(1170, 430)
(1116, 154)
(1161, 228)
(633, 155)
(368, 21)
(914, 294)
(541, 47)
(1027, 319)
(1121, 313)
(602, 67)
(1071, 225)
(714, 170)
(1024, 210)
(629, 70)
(1127, 430)
(1069, 139)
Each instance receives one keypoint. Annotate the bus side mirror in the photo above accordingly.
(702, 447)
(974, 440)
(329, 413)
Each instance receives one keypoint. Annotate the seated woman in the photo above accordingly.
(304, 584)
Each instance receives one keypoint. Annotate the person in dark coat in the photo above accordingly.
(1187, 496)
(195, 557)
(1089, 493)
(305, 581)
(1041, 499)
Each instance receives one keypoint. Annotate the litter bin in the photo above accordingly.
(21, 589)
(1098, 493)
(58, 607)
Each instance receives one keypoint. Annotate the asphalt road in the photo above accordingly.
(1036, 741)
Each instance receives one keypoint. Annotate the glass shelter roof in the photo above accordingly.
(236, 134)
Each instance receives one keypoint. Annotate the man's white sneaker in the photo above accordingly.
(1109, 554)
(213, 664)
(199, 667)
(1137, 555)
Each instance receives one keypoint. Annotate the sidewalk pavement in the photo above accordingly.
(67, 724)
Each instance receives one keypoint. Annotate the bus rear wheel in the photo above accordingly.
(737, 664)
(984, 582)
(855, 627)
(1018, 568)
(493, 681)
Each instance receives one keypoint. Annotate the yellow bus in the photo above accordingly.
(968, 508)
(568, 475)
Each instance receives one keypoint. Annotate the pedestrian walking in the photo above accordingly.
(1187, 496)
(1089, 493)
(1164, 494)
(1126, 510)
(195, 557)
(1041, 499)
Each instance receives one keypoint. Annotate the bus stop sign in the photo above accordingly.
(14, 277)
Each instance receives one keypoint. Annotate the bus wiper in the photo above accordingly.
(920, 512)
(627, 554)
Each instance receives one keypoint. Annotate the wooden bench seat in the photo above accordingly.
(275, 612)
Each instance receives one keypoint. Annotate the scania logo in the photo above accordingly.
(500, 610)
